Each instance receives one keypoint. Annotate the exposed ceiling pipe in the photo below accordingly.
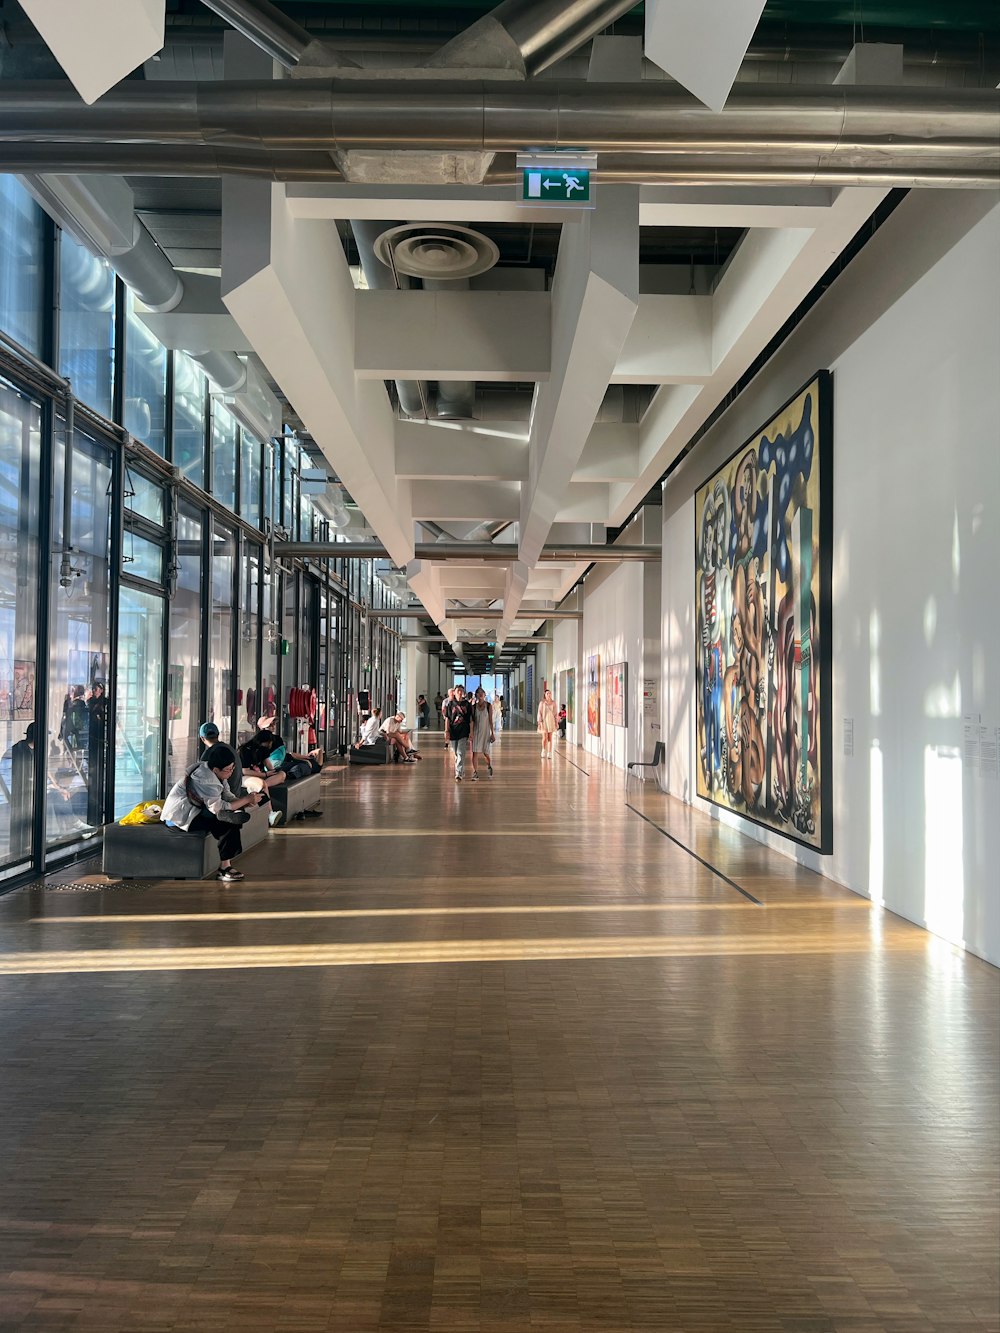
(456, 399)
(412, 394)
(124, 159)
(846, 127)
(275, 33)
(528, 36)
(466, 552)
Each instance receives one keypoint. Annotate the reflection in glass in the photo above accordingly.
(250, 470)
(80, 643)
(86, 324)
(190, 395)
(223, 455)
(145, 382)
(142, 559)
(21, 265)
(139, 678)
(20, 425)
(220, 662)
(184, 667)
(144, 497)
(248, 686)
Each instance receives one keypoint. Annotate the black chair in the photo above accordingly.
(659, 751)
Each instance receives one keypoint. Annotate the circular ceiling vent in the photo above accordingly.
(434, 251)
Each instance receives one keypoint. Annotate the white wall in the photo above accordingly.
(566, 656)
(912, 334)
(613, 628)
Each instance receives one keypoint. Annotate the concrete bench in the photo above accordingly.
(376, 753)
(155, 851)
(303, 794)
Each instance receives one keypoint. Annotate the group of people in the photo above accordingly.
(470, 730)
(393, 730)
(216, 794)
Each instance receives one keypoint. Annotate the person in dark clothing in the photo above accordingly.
(22, 791)
(458, 727)
(423, 713)
(75, 720)
(97, 708)
(200, 800)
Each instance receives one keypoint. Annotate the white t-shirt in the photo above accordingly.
(369, 731)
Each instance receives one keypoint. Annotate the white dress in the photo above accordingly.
(481, 729)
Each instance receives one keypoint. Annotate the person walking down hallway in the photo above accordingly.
(547, 722)
(442, 710)
(483, 734)
(457, 727)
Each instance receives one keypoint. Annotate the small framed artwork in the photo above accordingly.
(594, 695)
(617, 695)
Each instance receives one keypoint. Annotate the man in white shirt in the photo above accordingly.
(398, 737)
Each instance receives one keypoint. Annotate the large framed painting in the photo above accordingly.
(616, 696)
(570, 698)
(763, 540)
(594, 695)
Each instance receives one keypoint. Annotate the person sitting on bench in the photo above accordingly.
(369, 729)
(399, 737)
(203, 802)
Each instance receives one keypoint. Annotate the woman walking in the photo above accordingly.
(483, 734)
(547, 722)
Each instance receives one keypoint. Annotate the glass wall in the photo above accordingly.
(22, 272)
(86, 324)
(20, 450)
(139, 698)
(80, 641)
(220, 661)
(145, 406)
(184, 706)
(223, 455)
(190, 403)
(153, 607)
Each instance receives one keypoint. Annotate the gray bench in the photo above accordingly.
(155, 851)
(302, 794)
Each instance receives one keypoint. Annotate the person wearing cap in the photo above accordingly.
(202, 801)
(398, 737)
(208, 734)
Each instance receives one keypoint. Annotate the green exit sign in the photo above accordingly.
(557, 178)
(556, 185)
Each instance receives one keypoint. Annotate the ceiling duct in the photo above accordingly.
(528, 36)
(938, 136)
(412, 394)
(436, 252)
(277, 35)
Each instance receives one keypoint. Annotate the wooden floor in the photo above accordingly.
(493, 1057)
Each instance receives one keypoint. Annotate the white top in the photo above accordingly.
(212, 797)
(369, 730)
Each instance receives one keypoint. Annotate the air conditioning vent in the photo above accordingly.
(422, 251)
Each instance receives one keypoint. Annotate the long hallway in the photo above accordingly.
(497, 1056)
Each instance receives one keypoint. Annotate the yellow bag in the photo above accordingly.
(146, 812)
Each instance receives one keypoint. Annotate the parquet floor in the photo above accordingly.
(498, 1057)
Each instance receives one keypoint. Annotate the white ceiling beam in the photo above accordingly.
(427, 450)
(98, 42)
(766, 280)
(670, 342)
(595, 295)
(610, 454)
(460, 335)
(288, 285)
(659, 205)
(585, 502)
(468, 500)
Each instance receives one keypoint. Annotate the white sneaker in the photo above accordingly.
(475, 777)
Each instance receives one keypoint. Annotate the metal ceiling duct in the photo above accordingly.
(127, 159)
(463, 552)
(277, 35)
(434, 251)
(888, 130)
(412, 394)
(528, 36)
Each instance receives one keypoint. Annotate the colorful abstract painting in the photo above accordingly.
(569, 696)
(594, 695)
(762, 598)
(616, 695)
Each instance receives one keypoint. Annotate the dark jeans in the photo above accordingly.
(227, 835)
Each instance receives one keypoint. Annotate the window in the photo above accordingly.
(184, 705)
(141, 559)
(79, 651)
(190, 395)
(20, 444)
(248, 684)
(145, 382)
(140, 678)
(86, 324)
(22, 248)
(223, 455)
(250, 470)
(220, 665)
(146, 499)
